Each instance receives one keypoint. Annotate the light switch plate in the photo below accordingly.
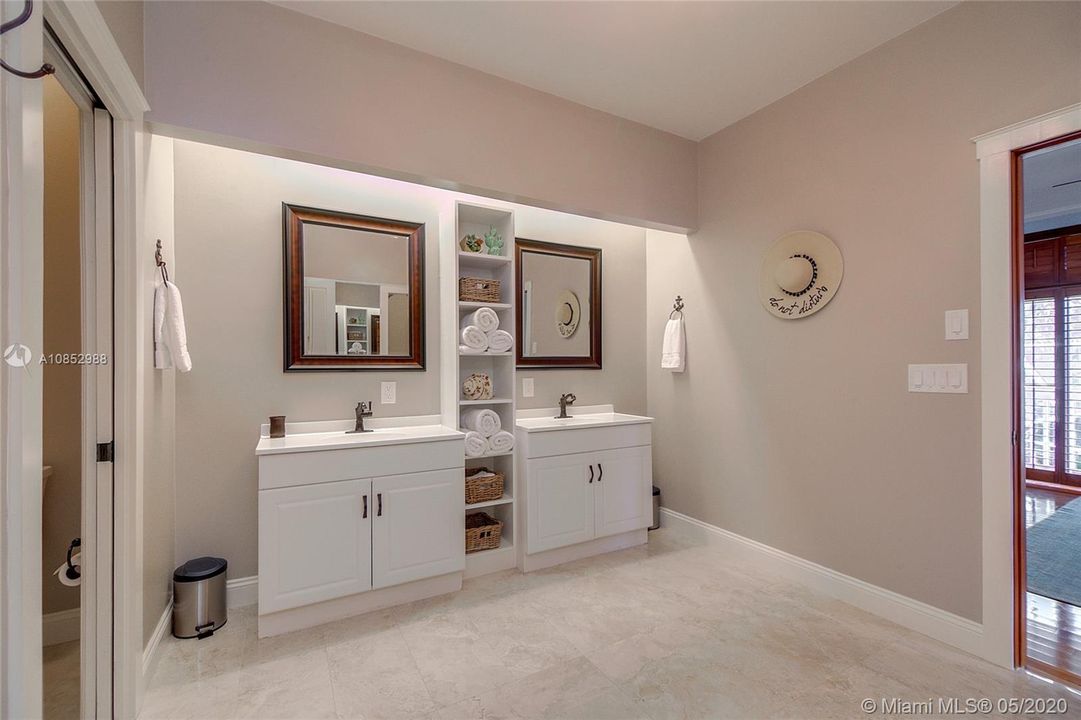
(952, 379)
(388, 393)
(527, 387)
(957, 324)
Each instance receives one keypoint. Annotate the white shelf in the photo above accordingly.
(505, 500)
(474, 305)
(478, 219)
(466, 259)
(488, 455)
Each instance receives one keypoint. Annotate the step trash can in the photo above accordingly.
(656, 508)
(199, 597)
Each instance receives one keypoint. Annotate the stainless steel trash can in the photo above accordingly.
(656, 508)
(199, 597)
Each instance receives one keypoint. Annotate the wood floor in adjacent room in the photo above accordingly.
(667, 630)
(1053, 628)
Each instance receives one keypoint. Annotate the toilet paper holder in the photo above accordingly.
(72, 572)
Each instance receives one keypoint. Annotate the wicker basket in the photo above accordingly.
(479, 289)
(482, 532)
(479, 489)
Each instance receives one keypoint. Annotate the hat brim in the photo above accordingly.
(829, 266)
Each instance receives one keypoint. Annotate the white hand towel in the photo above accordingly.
(473, 337)
(485, 318)
(475, 444)
(466, 350)
(170, 334)
(485, 421)
(501, 442)
(674, 349)
(500, 341)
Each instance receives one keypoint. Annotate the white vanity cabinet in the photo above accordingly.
(588, 485)
(350, 523)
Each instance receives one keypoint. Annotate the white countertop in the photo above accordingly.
(332, 435)
(595, 416)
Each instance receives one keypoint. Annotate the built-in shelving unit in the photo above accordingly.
(478, 219)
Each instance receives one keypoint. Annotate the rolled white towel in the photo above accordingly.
(485, 318)
(475, 444)
(466, 350)
(501, 442)
(474, 338)
(482, 420)
(500, 341)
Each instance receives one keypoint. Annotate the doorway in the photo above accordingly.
(1047, 241)
(75, 365)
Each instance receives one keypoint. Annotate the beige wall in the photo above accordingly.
(62, 410)
(229, 240)
(228, 229)
(800, 434)
(158, 491)
(125, 21)
(307, 88)
(623, 308)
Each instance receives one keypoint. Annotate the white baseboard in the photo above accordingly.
(240, 592)
(60, 627)
(915, 615)
(150, 652)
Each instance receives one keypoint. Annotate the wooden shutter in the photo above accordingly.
(1039, 444)
(1042, 262)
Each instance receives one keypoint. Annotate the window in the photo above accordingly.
(1051, 382)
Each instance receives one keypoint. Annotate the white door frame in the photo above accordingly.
(993, 151)
(84, 34)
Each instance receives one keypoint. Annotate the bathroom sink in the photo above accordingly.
(587, 419)
(332, 435)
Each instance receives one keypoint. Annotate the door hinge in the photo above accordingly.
(1013, 437)
(105, 451)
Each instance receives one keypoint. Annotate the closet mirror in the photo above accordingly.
(559, 305)
(354, 291)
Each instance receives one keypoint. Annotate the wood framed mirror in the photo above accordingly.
(558, 313)
(354, 291)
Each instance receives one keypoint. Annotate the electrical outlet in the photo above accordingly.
(388, 393)
(527, 387)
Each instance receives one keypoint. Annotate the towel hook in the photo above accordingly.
(46, 69)
(677, 307)
(160, 261)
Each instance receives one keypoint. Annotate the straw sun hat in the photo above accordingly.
(800, 274)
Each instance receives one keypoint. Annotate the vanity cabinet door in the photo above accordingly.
(314, 543)
(623, 489)
(418, 528)
(560, 500)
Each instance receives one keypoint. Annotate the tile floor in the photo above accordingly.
(667, 630)
(61, 680)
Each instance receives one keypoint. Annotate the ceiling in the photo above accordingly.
(1052, 180)
(690, 68)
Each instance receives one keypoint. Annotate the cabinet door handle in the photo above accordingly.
(601, 475)
(379, 500)
(591, 474)
(365, 506)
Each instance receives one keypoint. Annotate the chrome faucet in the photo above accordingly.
(564, 400)
(364, 409)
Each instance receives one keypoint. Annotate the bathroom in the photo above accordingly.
(447, 380)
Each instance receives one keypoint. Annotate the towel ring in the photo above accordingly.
(677, 307)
